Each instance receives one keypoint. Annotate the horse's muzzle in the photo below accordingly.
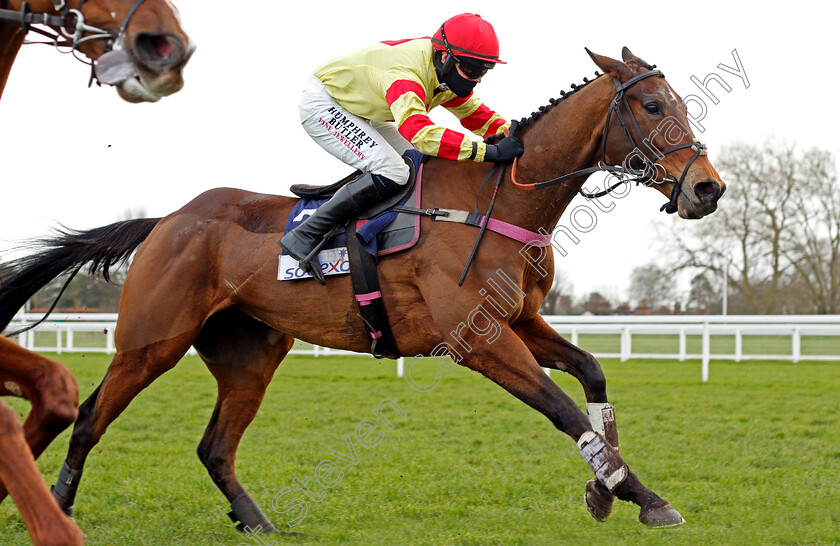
(159, 59)
(708, 191)
(701, 199)
(160, 52)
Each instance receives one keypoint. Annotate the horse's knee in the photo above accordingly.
(58, 397)
(593, 375)
(82, 440)
(203, 452)
(58, 416)
(9, 422)
(219, 467)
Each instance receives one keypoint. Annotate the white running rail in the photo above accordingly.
(624, 328)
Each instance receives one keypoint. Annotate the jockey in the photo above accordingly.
(368, 107)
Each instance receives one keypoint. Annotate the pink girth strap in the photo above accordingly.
(517, 233)
(526, 236)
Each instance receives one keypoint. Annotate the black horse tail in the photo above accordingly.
(68, 250)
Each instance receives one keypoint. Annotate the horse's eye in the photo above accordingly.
(652, 107)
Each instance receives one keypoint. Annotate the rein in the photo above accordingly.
(486, 219)
(70, 27)
(645, 176)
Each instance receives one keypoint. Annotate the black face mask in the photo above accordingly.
(457, 83)
(451, 78)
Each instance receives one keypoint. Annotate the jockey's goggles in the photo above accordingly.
(473, 68)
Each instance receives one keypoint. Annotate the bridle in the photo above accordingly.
(647, 175)
(70, 28)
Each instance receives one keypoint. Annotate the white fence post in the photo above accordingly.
(796, 343)
(739, 345)
(707, 349)
(626, 344)
(682, 344)
(109, 341)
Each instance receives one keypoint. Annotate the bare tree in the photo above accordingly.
(558, 301)
(813, 244)
(652, 283)
(777, 227)
(703, 297)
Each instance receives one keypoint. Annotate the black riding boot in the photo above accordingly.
(303, 242)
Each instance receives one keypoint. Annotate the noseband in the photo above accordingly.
(648, 174)
(72, 31)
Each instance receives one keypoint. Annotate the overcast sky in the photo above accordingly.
(82, 157)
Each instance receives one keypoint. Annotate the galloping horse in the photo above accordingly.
(146, 51)
(206, 275)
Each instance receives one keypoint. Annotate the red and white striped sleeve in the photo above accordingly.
(407, 100)
(476, 117)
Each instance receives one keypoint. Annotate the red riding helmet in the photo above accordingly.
(468, 35)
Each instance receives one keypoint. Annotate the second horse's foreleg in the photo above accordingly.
(46, 523)
(47, 385)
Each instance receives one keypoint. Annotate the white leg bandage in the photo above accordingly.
(605, 462)
(602, 419)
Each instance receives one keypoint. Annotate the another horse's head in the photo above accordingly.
(648, 130)
(157, 46)
(137, 46)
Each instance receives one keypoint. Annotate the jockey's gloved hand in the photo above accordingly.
(506, 150)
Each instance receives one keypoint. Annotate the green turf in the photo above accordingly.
(752, 457)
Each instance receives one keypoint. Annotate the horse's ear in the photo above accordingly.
(629, 58)
(610, 66)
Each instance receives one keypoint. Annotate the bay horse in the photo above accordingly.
(142, 40)
(54, 395)
(207, 276)
(138, 46)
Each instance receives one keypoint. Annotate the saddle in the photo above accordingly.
(306, 191)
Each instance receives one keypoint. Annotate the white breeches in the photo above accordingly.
(368, 146)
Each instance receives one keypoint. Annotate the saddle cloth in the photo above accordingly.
(386, 233)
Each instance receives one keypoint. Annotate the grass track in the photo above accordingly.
(752, 457)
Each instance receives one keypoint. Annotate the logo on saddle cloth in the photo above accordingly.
(302, 215)
(334, 261)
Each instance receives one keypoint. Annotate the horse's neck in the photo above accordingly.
(11, 38)
(565, 139)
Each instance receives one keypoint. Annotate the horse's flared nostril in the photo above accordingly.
(158, 51)
(708, 191)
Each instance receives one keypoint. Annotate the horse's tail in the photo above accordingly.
(68, 250)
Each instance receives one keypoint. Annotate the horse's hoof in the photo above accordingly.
(598, 500)
(662, 516)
